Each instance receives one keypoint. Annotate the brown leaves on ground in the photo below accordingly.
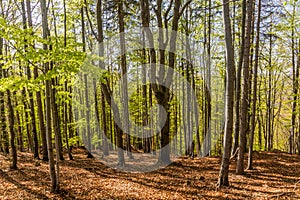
(276, 176)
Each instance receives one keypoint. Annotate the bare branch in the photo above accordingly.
(89, 20)
(184, 7)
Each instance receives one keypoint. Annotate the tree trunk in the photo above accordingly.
(4, 135)
(208, 80)
(107, 92)
(105, 143)
(295, 86)
(38, 95)
(245, 95)
(230, 76)
(238, 82)
(269, 97)
(11, 120)
(86, 135)
(124, 78)
(31, 102)
(20, 132)
(162, 93)
(46, 34)
(65, 110)
(147, 140)
(12, 131)
(297, 77)
(253, 116)
(65, 116)
(164, 157)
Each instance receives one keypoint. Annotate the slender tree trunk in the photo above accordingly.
(124, 78)
(253, 116)
(230, 78)
(269, 106)
(147, 140)
(295, 85)
(238, 81)
(189, 89)
(154, 138)
(184, 113)
(164, 156)
(198, 145)
(31, 102)
(87, 116)
(72, 130)
(12, 131)
(4, 133)
(208, 118)
(65, 116)
(55, 107)
(107, 93)
(11, 119)
(298, 68)
(55, 117)
(38, 95)
(20, 132)
(29, 138)
(87, 136)
(54, 182)
(65, 110)
(105, 143)
(245, 95)
(55, 124)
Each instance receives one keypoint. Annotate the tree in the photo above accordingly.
(38, 93)
(32, 110)
(11, 130)
(230, 72)
(4, 141)
(254, 100)
(107, 92)
(295, 83)
(124, 77)
(4, 134)
(162, 93)
(245, 94)
(48, 93)
(238, 80)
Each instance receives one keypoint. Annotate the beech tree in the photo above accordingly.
(245, 94)
(48, 93)
(45, 114)
(230, 72)
(254, 100)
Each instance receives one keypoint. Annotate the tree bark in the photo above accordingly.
(107, 93)
(12, 131)
(31, 102)
(238, 81)
(48, 92)
(253, 116)
(65, 110)
(38, 95)
(105, 143)
(230, 78)
(4, 133)
(245, 95)
(298, 68)
(124, 78)
(295, 86)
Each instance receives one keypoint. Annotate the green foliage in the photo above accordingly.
(74, 140)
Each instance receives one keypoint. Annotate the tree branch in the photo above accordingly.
(90, 22)
(184, 7)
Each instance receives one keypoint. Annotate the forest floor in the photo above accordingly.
(276, 176)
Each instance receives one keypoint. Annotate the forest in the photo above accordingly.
(149, 99)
